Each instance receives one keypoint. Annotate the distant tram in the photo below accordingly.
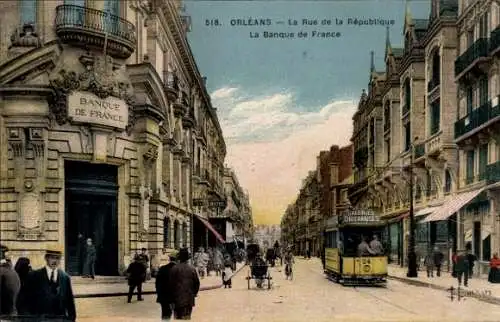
(343, 233)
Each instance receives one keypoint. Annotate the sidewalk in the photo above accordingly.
(115, 288)
(478, 288)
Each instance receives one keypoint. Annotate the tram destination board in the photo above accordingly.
(359, 216)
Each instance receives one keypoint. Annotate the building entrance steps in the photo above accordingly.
(478, 287)
(108, 286)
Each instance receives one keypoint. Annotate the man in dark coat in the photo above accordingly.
(10, 285)
(462, 268)
(164, 294)
(185, 284)
(49, 290)
(136, 275)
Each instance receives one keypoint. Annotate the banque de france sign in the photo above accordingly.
(86, 107)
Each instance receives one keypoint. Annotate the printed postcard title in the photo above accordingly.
(298, 28)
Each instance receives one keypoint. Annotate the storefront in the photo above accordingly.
(395, 241)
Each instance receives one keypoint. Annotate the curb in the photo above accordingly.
(483, 298)
(118, 294)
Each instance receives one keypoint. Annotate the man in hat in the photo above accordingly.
(49, 289)
(164, 294)
(185, 284)
(10, 284)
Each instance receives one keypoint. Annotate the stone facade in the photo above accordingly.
(403, 127)
(323, 194)
(125, 93)
(237, 213)
(266, 235)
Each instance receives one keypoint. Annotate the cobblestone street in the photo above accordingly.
(308, 297)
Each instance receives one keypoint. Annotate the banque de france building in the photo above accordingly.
(106, 131)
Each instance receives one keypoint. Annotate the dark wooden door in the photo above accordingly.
(93, 217)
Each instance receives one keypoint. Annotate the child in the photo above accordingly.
(227, 275)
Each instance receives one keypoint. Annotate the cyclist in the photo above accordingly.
(289, 261)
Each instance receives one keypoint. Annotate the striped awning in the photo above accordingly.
(452, 205)
(426, 211)
(211, 228)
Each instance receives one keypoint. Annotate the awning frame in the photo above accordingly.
(208, 225)
(453, 204)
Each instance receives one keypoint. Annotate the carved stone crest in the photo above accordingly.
(98, 77)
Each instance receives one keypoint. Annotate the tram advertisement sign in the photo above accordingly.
(359, 216)
(86, 107)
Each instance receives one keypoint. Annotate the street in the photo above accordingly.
(310, 296)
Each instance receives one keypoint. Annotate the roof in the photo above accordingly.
(448, 8)
(421, 24)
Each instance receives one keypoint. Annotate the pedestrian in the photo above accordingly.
(218, 261)
(144, 259)
(438, 258)
(201, 262)
(185, 285)
(50, 291)
(494, 274)
(429, 264)
(462, 268)
(23, 269)
(363, 248)
(10, 285)
(90, 257)
(471, 258)
(163, 292)
(376, 246)
(226, 276)
(136, 275)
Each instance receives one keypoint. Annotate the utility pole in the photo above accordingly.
(412, 255)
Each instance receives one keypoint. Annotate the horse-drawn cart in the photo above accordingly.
(259, 273)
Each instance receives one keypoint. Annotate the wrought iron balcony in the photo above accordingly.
(495, 40)
(432, 84)
(419, 150)
(479, 49)
(86, 27)
(476, 118)
(493, 172)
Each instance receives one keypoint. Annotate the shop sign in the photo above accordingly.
(359, 216)
(86, 107)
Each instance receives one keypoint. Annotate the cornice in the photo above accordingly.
(436, 27)
(145, 74)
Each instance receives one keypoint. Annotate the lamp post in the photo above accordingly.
(412, 255)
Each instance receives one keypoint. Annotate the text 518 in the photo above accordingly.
(212, 22)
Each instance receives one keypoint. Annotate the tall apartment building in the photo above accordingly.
(476, 131)
(106, 131)
(403, 128)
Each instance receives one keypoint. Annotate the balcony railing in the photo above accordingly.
(495, 39)
(476, 118)
(87, 27)
(419, 150)
(480, 48)
(405, 109)
(493, 172)
(433, 83)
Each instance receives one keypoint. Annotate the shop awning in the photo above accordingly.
(211, 228)
(425, 211)
(452, 205)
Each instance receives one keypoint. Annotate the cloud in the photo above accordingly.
(272, 148)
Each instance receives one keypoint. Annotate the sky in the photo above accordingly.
(280, 101)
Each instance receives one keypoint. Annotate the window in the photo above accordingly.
(407, 136)
(483, 161)
(388, 150)
(112, 18)
(470, 38)
(166, 235)
(483, 26)
(436, 67)
(435, 117)
(483, 90)
(27, 11)
(469, 174)
(470, 99)
(407, 96)
(447, 181)
(387, 116)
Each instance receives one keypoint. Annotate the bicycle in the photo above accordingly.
(288, 271)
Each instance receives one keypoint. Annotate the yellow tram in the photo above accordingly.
(342, 236)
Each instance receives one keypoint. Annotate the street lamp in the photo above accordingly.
(412, 255)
